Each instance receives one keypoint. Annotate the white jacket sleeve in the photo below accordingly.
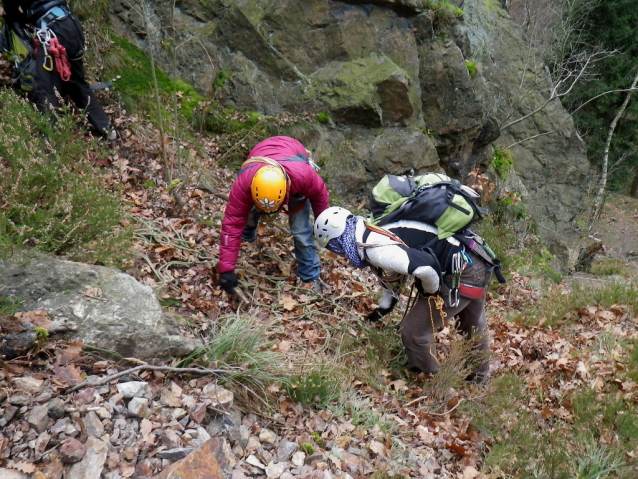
(384, 253)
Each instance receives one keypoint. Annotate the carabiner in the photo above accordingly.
(48, 67)
(457, 300)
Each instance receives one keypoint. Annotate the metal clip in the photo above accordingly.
(314, 165)
(48, 63)
(454, 292)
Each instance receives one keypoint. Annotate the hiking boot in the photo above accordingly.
(247, 238)
(111, 135)
(480, 378)
(317, 287)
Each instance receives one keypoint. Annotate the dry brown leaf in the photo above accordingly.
(399, 385)
(71, 352)
(68, 374)
(470, 473)
(287, 302)
(25, 467)
(146, 427)
(377, 448)
(39, 318)
(284, 346)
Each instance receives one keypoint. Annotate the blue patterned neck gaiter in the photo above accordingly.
(346, 244)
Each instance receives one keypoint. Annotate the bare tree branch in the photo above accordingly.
(598, 201)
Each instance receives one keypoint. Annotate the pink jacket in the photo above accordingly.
(304, 181)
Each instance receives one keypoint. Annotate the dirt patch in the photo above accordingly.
(617, 227)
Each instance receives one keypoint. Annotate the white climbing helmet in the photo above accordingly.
(330, 224)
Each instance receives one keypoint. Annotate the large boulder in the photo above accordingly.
(111, 310)
(382, 70)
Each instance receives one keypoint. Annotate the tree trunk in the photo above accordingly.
(600, 194)
(633, 191)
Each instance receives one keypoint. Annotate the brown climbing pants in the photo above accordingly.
(423, 321)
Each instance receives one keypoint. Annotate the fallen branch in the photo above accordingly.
(147, 367)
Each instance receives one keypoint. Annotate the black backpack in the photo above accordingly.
(431, 198)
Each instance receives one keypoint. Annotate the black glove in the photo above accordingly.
(228, 281)
(379, 313)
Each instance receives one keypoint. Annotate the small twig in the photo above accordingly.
(212, 191)
(416, 401)
(147, 367)
(240, 294)
(447, 412)
(92, 297)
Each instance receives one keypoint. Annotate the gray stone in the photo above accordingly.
(126, 317)
(175, 454)
(133, 389)
(39, 418)
(93, 425)
(286, 449)
(92, 462)
(28, 384)
(266, 436)
(138, 407)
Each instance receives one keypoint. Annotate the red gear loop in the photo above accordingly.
(62, 64)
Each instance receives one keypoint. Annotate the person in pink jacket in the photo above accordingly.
(278, 176)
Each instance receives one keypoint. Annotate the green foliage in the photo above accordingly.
(569, 450)
(9, 306)
(461, 360)
(307, 448)
(510, 208)
(612, 267)
(318, 387)
(96, 10)
(502, 162)
(362, 413)
(230, 121)
(444, 11)
(239, 343)
(609, 25)
(632, 370)
(54, 200)
(555, 306)
(471, 68)
(221, 79)
(384, 349)
(519, 249)
(135, 86)
(323, 117)
(41, 333)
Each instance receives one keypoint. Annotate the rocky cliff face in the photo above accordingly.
(405, 87)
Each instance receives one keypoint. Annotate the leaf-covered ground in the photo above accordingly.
(176, 245)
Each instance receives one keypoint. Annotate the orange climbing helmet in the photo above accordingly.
(268, 188)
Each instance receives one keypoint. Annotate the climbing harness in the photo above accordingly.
(458, 265)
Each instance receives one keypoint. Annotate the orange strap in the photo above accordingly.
(384, 232)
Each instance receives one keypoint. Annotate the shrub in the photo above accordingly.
(471, 68)
(53, 199)
(318, 387)
(323, 117)
(502, 162)
(444, 11)
(240, 343)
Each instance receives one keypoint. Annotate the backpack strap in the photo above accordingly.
(377, 229)
(479, 246)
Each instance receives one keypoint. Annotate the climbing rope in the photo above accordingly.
(62, 64)
(54, 53)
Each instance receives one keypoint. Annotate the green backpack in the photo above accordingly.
(16, 44)
(431, 198)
